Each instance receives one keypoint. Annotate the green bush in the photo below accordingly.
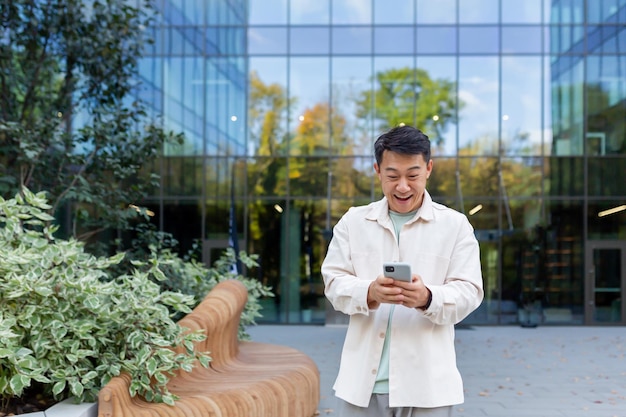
(195, 279)
(67, 325)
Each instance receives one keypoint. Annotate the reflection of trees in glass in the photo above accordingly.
(480, 170)
(411, 96)
(71, 121)
(267, 112)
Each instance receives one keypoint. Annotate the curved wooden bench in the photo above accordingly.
(245, 379)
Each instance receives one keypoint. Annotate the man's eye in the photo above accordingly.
(392, 178)
(413, 177)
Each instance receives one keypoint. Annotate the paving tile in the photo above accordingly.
(508, 371)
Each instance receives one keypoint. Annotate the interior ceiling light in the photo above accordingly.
(278, 208)
(612, 210)
(475, 209)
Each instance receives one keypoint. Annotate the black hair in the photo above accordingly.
(403, 140)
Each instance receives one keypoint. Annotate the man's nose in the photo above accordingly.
(403, 185)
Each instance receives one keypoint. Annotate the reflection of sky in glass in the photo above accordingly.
(478, 11)
(268, 12)
(393, 11)
(309, 12)
(308, 84)
(526, 11)
(478, 89)
(521, 102)
(351, 12)
(442, 68)
(518, 98)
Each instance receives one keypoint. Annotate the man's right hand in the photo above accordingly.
(383, 290)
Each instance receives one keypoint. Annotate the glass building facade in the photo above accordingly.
(280, 102)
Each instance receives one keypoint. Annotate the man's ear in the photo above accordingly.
(376, 168)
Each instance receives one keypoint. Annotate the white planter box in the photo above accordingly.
(67, 408)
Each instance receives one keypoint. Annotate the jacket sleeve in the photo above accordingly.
(462, 290)
(345, 291)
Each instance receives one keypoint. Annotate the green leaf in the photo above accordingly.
(58, 387)
(18, 383)
(43, 291)
(92, 302)
(77, 388)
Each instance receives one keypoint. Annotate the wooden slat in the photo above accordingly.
(245, 379)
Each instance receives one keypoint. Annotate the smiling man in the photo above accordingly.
(398, 359)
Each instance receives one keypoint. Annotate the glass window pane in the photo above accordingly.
(478, 96)
(394, 93)
(352, 40)
(567, 106)
(527, 11)
(607, 177)
(182, 218)
(351, 12)
(547, 109)
(521, 177)
(309, 12)
(267, 106)
(606, 114)
(351, 81)
(479, 177)
(478, 40)
(440, 11)
(193, 12)
(521, 39)
(479, 11)
(309, 106)
(267, 40)
(268, 12)
(443, 181)
(393, 40)
(267, 177)
(183, 175)
(308, 174)
(437, 103)
(571, 12)
(607, 219)
(521, 109)
(354, 178)
(309, 40)
(564, 176)
(269, 231)
(600, 10)
(393, 11)
(437, 40)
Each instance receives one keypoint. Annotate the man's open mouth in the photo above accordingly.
(404, 198)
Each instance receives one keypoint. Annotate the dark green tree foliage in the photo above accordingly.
(70, 120)
(410, 96)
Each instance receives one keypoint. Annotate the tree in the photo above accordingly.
(71, 122)
(411, 96)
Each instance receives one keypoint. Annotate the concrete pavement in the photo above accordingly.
(508, 371)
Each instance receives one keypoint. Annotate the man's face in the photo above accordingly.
(403, 180)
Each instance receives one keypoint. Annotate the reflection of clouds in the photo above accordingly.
(362, 9)
(256, 37)
(352, 11)
(302, 10)
(469, 99)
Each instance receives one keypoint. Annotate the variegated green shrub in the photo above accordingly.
(66, 324)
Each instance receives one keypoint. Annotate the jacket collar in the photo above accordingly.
(379, 210)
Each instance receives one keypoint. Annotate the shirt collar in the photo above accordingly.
(379, 211)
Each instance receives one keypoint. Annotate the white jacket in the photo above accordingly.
(440, 245)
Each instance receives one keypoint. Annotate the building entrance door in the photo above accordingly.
(605, 262)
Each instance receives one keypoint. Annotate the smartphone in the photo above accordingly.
(397, 270)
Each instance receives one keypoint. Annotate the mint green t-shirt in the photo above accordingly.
(382, 378)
